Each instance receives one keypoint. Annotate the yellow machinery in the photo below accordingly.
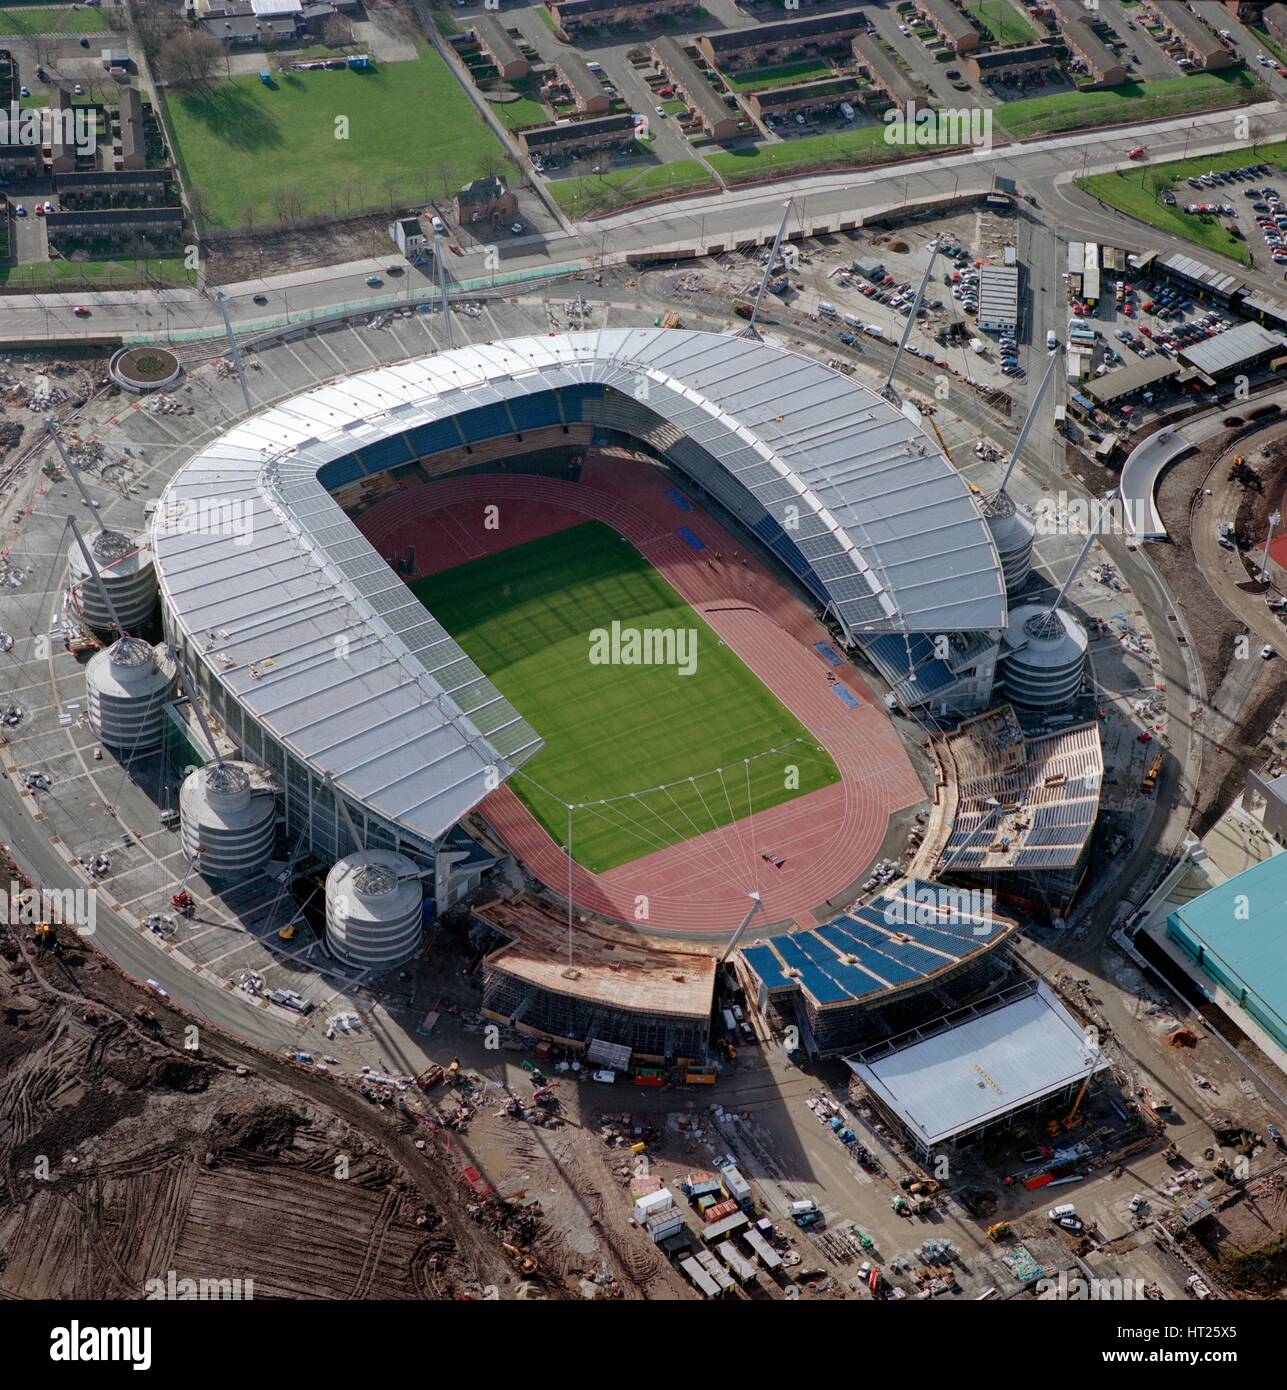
(1072, 1118)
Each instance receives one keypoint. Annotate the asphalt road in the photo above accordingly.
(1043, 168)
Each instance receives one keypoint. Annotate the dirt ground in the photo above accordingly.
(124, 1158)
(236, 258)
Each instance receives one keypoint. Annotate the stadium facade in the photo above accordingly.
(319, 664)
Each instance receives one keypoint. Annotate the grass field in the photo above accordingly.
(413, 135)
(525, 617)
(1132, 101)
(1008, 24)
(588, 193)
(1137, 192)
(97, 275)
(520, 114)
(44, 19)
(806, 70)
(846, 148)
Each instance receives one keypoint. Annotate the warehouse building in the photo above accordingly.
(781, 102)
(1201, 45)
(571, 136)
(882, 71)
(998, 298)
(1032, 1053)
(718, 120)
(1125, 382)
(1241, 349)
(1233, 934)
(494, 39)
(1205, 282)
(951, 25)
(1007, 63)
(763, 45)
(1077, 27)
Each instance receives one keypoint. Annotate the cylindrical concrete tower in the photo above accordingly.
(373, 909)
(127, 688)
(126, 569)
(1043, 657)
(1013, 533)
(227, 827)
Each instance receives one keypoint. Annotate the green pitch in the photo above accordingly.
(526, 617)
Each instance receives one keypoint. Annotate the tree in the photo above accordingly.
(188, 60)
(338, 32)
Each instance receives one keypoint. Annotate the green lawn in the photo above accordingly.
(98, 274)
(526, 615)
(1138, 193)
(41, 19)
(1132, 101)
(584, 194)
(846, 148)
(1008, 24)
(757, 79)
(413, 135)
(518, 115)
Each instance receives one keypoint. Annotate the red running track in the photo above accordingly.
(826, 839)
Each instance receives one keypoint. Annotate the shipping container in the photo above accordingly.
(737, 1185)
(699, 1078)
(739, 1266)
(768, 1257)
(719, 1210)
(721, 1276)
(721, 1230)
(700, 1278)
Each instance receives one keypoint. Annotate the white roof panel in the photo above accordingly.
(983, 1068)
(886, 524)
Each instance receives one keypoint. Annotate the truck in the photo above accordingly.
(729, 1021)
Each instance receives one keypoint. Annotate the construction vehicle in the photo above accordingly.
(1149, 780)
(544, 1095)
(743, 308)
(182, 901)
(430, 1077)
(671, 319)
(44, 935)
(1072, 1119)
(999, 1231)
(525, 1264)
(287, 933)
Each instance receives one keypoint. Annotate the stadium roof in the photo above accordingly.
(981, 1069)
(869, 507)
(908, 933)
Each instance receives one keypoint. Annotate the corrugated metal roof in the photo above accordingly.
(306, 625)
(1231, 348)
(982, 1068)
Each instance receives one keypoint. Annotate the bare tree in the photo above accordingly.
(338, 32)
(188, 60)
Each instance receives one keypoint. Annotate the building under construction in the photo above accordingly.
(918, 950)
(600, 985)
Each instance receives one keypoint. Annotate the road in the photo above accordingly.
(1044, 169)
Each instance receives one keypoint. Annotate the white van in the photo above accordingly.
(829, 310)
(806, 1205)
(853, 320)
(1051, 341)
(874, 330)
(1066, 1210)
(846, 111)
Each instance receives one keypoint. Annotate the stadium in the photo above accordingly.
(401, 627)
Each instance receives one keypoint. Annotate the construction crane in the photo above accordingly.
(1072, 1119)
